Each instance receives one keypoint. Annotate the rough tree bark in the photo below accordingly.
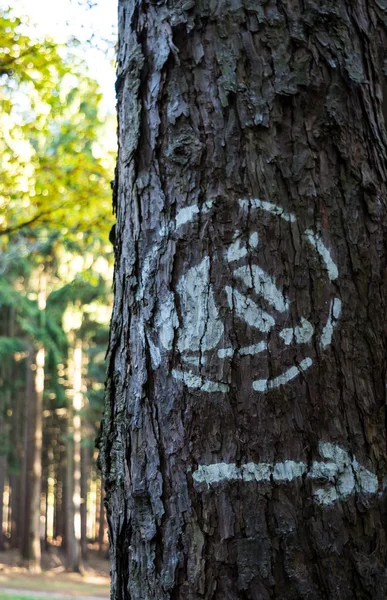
(243, 445)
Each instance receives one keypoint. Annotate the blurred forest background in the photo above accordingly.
(56, 164)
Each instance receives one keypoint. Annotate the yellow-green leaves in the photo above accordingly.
(54, 172)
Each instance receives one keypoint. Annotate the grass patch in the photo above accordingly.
(12, 597)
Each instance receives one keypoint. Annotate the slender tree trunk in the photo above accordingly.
(34, 549)
(84, 488)
(244, 438)
(60, 507)
(3, 471)
(73, 476)
(27, 457)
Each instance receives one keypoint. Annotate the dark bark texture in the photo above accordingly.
(243, 445)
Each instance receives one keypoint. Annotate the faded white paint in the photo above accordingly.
(201, 328)
(253, 349)
(345, 473)
(225, 352)
(246, 203)
(249, 311)
(186, 215)
(235, 251)
(337, 479)
(195, 382)
(323, 251)
(264, 285)
(302, 333)
(288, 470)
(244, 351)
(334, 315)
(253, 240)
(216, 473)
(263, 385)
(256, 472)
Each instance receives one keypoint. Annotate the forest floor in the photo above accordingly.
(54, 581)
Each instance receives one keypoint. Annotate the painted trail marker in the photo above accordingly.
(334, 478)
(251, 294)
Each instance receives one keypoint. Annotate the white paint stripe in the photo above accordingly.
(225, 352)
(288, 470)
(253, 349)
(264, 285)
(246, 350)
(323, 251)
(245, 203)
(195, 382)
(263, 385)
(334, 315)
(343, 476)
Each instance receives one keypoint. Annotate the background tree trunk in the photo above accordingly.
(73, 472)
(244, 440)
(28, 455)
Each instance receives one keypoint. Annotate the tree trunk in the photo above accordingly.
(34, 547)
(73, 471)
(84, 478)
(27, 456)
(244, 440)
(3, 472)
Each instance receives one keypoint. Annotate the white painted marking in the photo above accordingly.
(235, 251)
(263, 284)
(337, 479)
(195, 382)
(334, 315)
(225, 352)
(302, 333)
(323, 251)
(288, 470)
(245, 203)
(186, 215)
(256, 472)
(201, 328)
(245, 351)
(246, 309)
(287, 335)
(346, 474)
(253, 349)
(216, 473)
(253, 240)
(263, 385)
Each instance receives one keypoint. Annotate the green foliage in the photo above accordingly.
(51, 168)
(55, 217)
(10, 345)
